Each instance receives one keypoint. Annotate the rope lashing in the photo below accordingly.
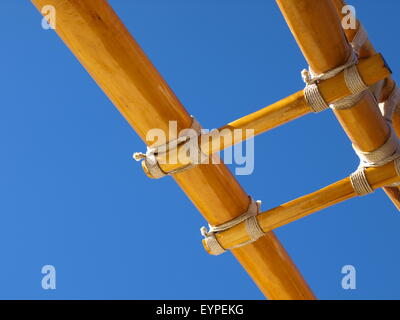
(348, 102)
(360, 182)
(252, 227)
(188, 137)
(388, 152)
(314, 98)
(389, 106)
(359, 39)
(352, 78)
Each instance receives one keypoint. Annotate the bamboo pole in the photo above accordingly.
(325, 47)
(386, 87)
(372, 70)
(306, 205)
(101, 42)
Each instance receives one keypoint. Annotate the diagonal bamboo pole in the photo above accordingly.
(386, 87)
(318, 31)
(372, 70)
(101, 42)
(306, 205)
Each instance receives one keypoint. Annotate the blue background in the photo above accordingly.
(72, 197)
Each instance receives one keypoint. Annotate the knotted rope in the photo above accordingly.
(252, 227)
(189, 139)
(352, 78)
(388, 152)
(391, 104)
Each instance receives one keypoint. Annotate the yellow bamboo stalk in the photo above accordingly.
(325, 47)
(306, 205)
(101, 42)
(387, 87)
(372, 70)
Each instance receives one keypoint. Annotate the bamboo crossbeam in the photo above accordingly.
(372, 70)
(386, 88)
(306, 205)
(318, 31)
(103, 45)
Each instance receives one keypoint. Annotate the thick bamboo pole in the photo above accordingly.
(386, 88)
(306, 205)
(98, 38)
(372, 70)
(318, 31)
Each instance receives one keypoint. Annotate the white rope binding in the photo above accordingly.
(359, 39)
(391, 104)
(252, 227)
(388, 152)
(360, 182)
(188, 137)
(352, 78)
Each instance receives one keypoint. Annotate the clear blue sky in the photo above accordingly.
(72, 197)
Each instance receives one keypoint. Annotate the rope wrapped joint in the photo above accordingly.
(352, 78)
(388, 152)
(188, 138)
(252, 227)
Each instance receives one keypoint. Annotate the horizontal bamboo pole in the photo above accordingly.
(306, 205)
(372, 70)
(103, 45)
(382, 93)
